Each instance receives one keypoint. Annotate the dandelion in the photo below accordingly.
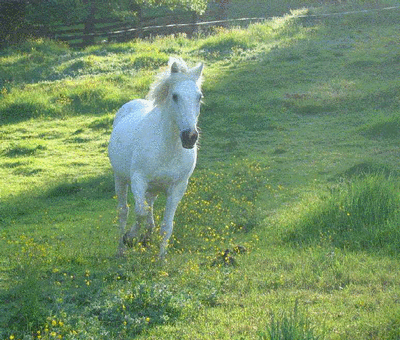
(12, 337)
(54, 323)
(147, 319)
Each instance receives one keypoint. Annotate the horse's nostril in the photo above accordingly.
(189, 138)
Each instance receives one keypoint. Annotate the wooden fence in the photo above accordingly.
(104, 30)
(82, 33)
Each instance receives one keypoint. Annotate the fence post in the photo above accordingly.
(194, 22)
(223, 10)
(139, 13)
(88, 37)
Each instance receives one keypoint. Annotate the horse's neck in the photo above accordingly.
(169, 128)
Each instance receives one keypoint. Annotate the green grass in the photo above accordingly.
(298, 167)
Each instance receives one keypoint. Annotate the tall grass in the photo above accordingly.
(360, 214)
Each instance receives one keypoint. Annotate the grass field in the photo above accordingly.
(298, 176)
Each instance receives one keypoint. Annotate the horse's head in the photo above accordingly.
(178, 93)
(184, 100)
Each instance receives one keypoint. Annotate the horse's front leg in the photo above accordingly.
(146, 237)
(142, 209)
(174, 195)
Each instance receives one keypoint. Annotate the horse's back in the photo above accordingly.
(122, 141)
(137, 108)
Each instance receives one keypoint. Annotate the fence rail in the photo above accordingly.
(80, 33)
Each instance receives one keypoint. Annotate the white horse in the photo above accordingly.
(153, 148)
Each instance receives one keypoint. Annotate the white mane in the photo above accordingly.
(160, 88)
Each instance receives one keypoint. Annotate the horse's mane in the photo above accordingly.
(160, 88)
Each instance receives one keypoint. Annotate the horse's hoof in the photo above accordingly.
(127, 240)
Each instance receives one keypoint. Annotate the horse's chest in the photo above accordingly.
(162, 170)
(173, 169)
(162, 178)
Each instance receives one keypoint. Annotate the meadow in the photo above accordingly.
(290, 225)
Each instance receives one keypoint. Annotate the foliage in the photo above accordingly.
(69, 11)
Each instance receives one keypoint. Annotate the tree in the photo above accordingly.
(12, 14)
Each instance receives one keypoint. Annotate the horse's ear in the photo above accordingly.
(197, 71)
(174, 67)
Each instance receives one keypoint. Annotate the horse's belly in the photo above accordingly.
(159, 185)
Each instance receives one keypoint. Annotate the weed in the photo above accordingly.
(145, 304)
(290, 326)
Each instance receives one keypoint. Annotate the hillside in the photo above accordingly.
(297, 176)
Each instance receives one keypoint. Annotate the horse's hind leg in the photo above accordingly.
(121, 189)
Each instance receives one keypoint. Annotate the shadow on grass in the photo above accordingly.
(364, 169)
(76, 191)
(382, 128)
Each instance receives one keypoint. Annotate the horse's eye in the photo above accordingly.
(175, 97)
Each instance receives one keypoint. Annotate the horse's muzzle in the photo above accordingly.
(189, 138)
